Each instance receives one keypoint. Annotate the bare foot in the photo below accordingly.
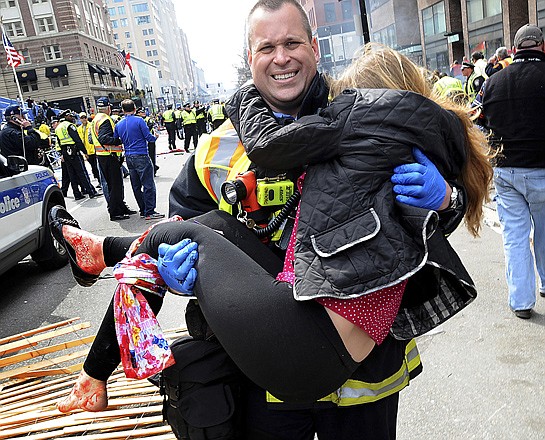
(87, 393)
(88, 248)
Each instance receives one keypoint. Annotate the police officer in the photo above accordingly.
(179, 122)
(216, 114)
(72, 149)
(200, 113)
(474, 80)
(189, 119)
(17, 132)
(169, 121)
(109, 155)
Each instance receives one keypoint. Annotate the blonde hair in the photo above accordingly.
(380, 67)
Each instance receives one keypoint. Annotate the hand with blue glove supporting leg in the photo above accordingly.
(175, 265)
(419, 184)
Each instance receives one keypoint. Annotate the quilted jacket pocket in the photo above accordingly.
(354, 253)
(356, 230)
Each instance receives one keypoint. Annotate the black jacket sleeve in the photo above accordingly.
(73, 132)
(188, 197)
(106, 135)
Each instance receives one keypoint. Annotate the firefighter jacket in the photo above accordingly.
(102, 134)
(353, 237)
(390, 366)
(513, 103)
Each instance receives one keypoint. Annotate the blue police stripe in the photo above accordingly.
(17, 199)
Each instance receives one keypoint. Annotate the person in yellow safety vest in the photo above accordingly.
(200, 111)
(216, 114)
(140, 111)
(450, 87)
(474, 80)
(169, 121)
(499, 61)
(84, 131)
(189, 120)
(179, 121)
(72, 149)
(109, 155)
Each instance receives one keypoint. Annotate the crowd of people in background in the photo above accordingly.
(61, 138)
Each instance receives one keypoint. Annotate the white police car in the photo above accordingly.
(27, 193)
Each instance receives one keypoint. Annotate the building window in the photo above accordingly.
(123, 22)
(146, 42)
(479, 9)
(59, 81)
(346, 7)
(116, 37)
(140, 7)
(127, 35)
(142, 19)
(129, 45)
(52, 52)
(29, 86)
(150, 31)
(155, 53)
(148, 53)
(7, 4)
(111, 11)
(26, 55)
(386, 36)
(121, 10)
(160, 74)
(144, 32)
(45, 24)
(35, 2)
(87, 50)
(152, 42)
(433, 20)
(375, 4)
(330, 15)
(115, 24)
(157, 62)
(14, 29)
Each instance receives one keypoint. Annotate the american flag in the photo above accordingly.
(14, 57)
(120, 54)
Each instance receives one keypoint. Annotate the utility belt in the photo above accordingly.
(254, 199)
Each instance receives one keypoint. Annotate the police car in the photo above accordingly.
(27, 193)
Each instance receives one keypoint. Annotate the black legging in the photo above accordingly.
(288, 347)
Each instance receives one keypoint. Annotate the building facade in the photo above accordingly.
(68, 49)
(148, 29)
(436, 33)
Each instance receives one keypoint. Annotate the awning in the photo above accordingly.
(27, 75)
(93, 68)
(54, 71)
(120, 74)
(102, 70)
(113, 72)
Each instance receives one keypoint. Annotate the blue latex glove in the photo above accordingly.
(175, 264)
(419, 184)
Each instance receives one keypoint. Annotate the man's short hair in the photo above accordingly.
(502, 53)
(128, 106)
(275, 5)
(528, 36)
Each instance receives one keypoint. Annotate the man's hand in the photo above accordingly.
(420, 184)
(175, 264)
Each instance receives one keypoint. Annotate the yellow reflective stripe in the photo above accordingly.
(357, 392)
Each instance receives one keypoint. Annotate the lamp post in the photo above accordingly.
(166, 91)
(149, 90)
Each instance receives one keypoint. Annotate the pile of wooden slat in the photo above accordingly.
(36, 371)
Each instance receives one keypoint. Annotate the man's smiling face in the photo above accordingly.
(282, 59)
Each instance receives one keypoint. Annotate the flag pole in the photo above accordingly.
(18, 85)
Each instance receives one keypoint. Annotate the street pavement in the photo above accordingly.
(483, 369)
